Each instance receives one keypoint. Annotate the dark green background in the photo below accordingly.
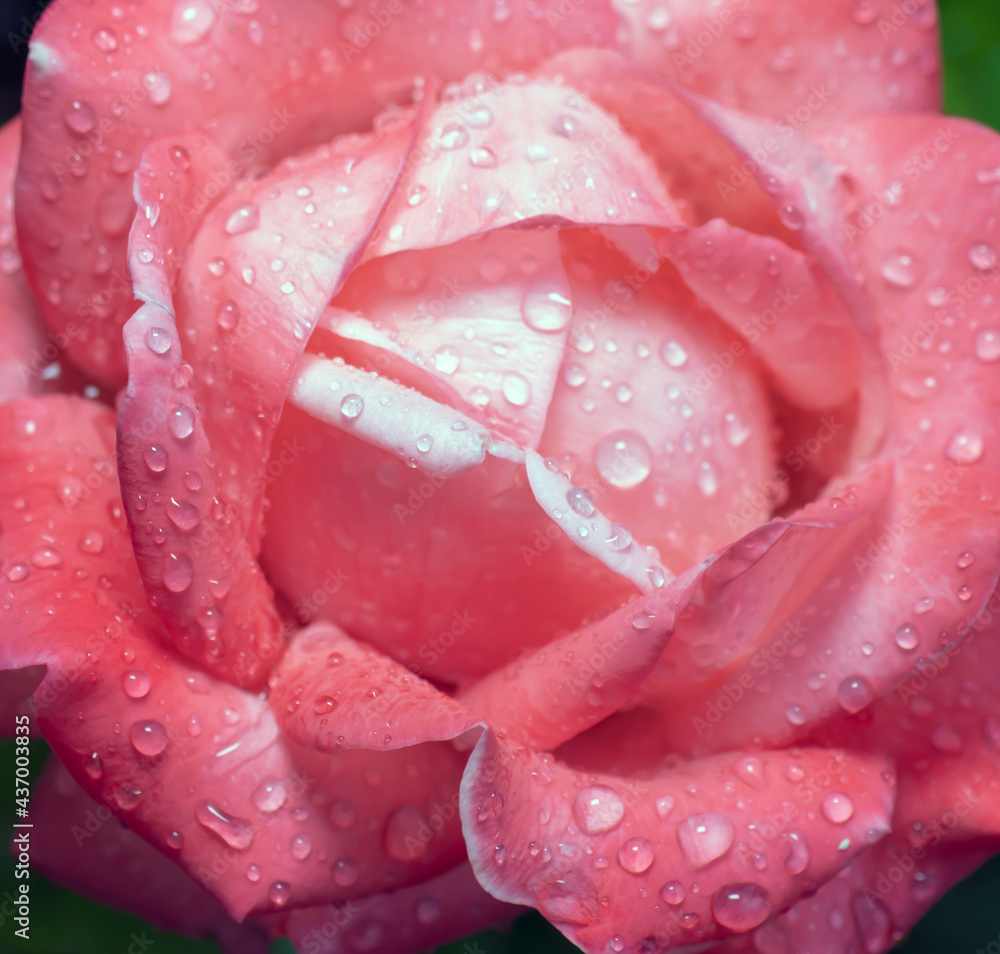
(966, 919)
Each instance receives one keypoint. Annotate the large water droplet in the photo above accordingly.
(546, 305)
(156, 458)
(453, 136)
(854, 693)
(965, 446)
(907, 637)
(269, 796)
(673, 892)
(580, 502)
(705, 837)
(482, 157)
(900, 269)
(342, 813)
(742, 906)
(244, 219)
(182, 514)
(93, 766)
(136, 683)
(516, 388)
(180, 422)
(191, 21)
(345, 872)
(405, 834)
(301, 847)
(873, 920)
(673, 353)
(636, 855)
(159, 88)
(750, 769)
(352, 405)
(983, 257)
(623, 458)
(79, 116)
(798, 854)
(278, 893)
(148, 738)
(447, 360)
(235, 832)
(837, 807)
(158, 340)
(178, 572)
(598, 808)
(987, 345)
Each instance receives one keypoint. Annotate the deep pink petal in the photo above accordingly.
(413, 919)
(614, 861)
(334, 694)
(100, 83)
(793, 62)
(79, 844)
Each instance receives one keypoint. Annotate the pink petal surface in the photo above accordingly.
(79, 844)
(198, 768)
(792, 62)
(26, 353)
(400, 922)
(101, 80)
(612, 861)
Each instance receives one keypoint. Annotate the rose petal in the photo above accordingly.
(579, 846)
(80, 845)
(88, 85)
(399, 922)
(846, 59)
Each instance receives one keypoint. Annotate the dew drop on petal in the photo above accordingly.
(987, 345)
(301, 847)
(837, 807)
(178, 572)
(673, 353)
(742, 906)
(597, 809)
(180, 422)
(158, 340)
(965, 447)
(345, 872)
(235, 832)
(278, 893)
(516, 388)
(854, 693)
(797, 857)
(673, 893)
(244, 219)
(705, 837)
(623, 458)
(907, 637)
(636, 855)
(352, 405)
(983, 257)
(136, 683)
(148, 738)
(269, 796)
(900, 269)
(546, 306)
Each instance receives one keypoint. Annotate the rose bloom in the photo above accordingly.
(463, 457)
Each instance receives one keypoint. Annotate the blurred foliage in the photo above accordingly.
(966, 919)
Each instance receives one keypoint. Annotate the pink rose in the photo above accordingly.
(555, 468)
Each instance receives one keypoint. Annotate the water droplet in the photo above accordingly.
(707, 480)
(874, 922)
(17, 572)
(546, 305)
(178, 572)
(46, 558)
(244, 219)
(253, 874)
(796, 715)
(750, 769)
(574, 375)
(983, 257)
(987, 345)
(136, 683)
(269, 796)
(404, 838)
(104, 39)
(565, 126)
(580, 502)
(180, 423)
(79, 116)
(516, 388)
(900, 269)
(837, 807)
(798, 854)
(742, 906)
(705, 837)
(191, 21)
(352, 405)
(947, 740)
(623, 458)
(93, 766)
(620, 539)
(427, 910)
(148, 738)
(482, 158)
(183, 515)
(158, 87)
(92, 541)
(158, 340)
(791, 217)
(345, 872)
(854, 693)
(672, 892)
(278, 893)
(965, 560)
(424, 443)
(673, 354)
(236, 832)
(301, 847)
(906, 637)
(175, 840)
(342, 813)
(597, 809)
(965, 446)
(636, 855)
(453, 136)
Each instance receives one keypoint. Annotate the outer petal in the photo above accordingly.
(613, 862)
(79, 844)
(414, 919)
(27, 356)
(793, 62)
(264, 77)
(197, 767)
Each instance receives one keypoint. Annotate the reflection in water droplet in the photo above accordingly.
(742, 906)
(837, 807)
